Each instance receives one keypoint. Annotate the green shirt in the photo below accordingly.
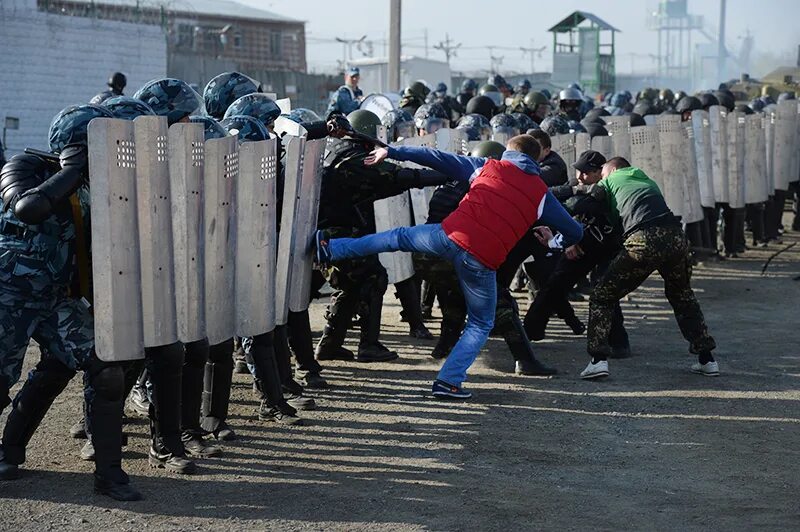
(635, 200)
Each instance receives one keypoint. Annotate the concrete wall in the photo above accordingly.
(51, 61)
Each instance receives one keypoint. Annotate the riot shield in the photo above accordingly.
(186, 163)
(256, 238)
(645, 152)
(293, 173)
(564, 145)
(673, 161)
(501, 137)
(619, 127)
(769, 145)
(718, 135)
(380, 104)
(736, 177)
(692, 205)
(701, 130)
(118, 329)
(583, 142)
(155, 231)
(755, 166)
(391, 213)
(452, 140)
(785, 144)
(603, 145)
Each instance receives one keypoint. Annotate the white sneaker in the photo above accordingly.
(593, 371)
(709, 369)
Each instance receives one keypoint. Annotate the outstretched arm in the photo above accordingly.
(457, 166)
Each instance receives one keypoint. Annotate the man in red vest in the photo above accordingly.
(505, 199)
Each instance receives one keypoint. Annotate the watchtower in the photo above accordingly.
(583, 51)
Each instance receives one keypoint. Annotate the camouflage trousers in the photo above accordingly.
(661, 249)
(62, 326)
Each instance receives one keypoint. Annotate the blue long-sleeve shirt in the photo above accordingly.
(463, 167)
(345, 100)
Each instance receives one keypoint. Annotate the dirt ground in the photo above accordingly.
(651, 448)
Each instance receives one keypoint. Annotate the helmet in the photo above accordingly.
(597, 112)
(619, 100)
(418, 89)
(786, 96)
(399, 124)
(245, 127)
(643, 108)
(211, 128)
(441, 88)
(570, 94)
(301, 115)
(469, 85)
(70, 125)
(498, 81)
(524, 122)
(688, 104)
(546, 94)
(679, 95)
(172, 98)
(574, 85)
(517, 104)
(225, 89)
(725, 100)
(430, 117)
(365, 122)
(481, 105)
(479, 122)
(472, 132)
(117, 81)
(554, 125)
(492, 92)
(488, 149)
(258, 105)
(127, 108)
(757, 105)
(524, 84)
(593, 120)
(666, 95)
(707, 100)
(742, 108)
(596, 130)
(503, 121)
(535, 99)
(576, 127)
(637, 120)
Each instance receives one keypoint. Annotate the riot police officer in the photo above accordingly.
(116, 84)
(414, 97)
(347, 98)
(468, 88)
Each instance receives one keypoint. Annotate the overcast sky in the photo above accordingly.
(477, 24)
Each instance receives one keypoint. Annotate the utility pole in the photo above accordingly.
(347, 48)
(721, 51)
(533, 51)
(425, 33)
(395, 15)
(447, 48)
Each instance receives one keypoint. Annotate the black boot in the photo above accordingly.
(369, 348)
(340, 313)
(217, 391)
(298, 328)
(193, 394)
(451, 332)
(522, 351)
(408, 294)
(268, 381)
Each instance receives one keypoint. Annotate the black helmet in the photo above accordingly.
(172, 98)
(211, 128)
(225, 89)
(757, 105)
(688, 104)
(365, 122)
(554, 125)
(469, 85)
(596, 130)
(597, 112)
(488, 149)
(707, 100)
(245, 127)
(430, 117)
(399, 124)
(786, 96)
(117, 81)
(524, 122)
(742, 108)
(127, 108)
(643, 108)
(70, 125)
(479, 122)
(576, 127)
(637, 120)
(481, 105)
(725, 100)
(258, 105)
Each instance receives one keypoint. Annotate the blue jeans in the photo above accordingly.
(476, 280)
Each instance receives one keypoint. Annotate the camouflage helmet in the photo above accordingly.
(429, 116)
(225, 89)
(576, 127)
(211, 128)
(469, 85)
(555, 125)
(399, 124)
(258, 105)
(365, 122)
(301, 115)
(472, 132)
(524, 121)
(246, 128)
(127, 108)
(503, 120)
(418, 89)
(479, 122)
(534, 100)
(172, 98)
(488, 149)
(70, 125)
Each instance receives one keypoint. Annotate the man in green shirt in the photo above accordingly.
(654, 241)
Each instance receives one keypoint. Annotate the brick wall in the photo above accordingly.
(48, 62)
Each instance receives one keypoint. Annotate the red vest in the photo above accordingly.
(503, 202)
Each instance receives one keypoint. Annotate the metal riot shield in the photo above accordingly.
(755, 166)
(186, 163)
(118, 329)
(785, 143)
(701, 130)
(645, 152)
(221, 174)
(603, 145)
(583, 142)
(769, 145)
(305, 224)
(619, 127)
(564, 145)
(673, 161)
(501, 137)
(794, 175)
(452, 140)
(391, 213)
(155, 231)
(692, 206)
(736, 177)
(256, 238)
(285, 105)
(293, 173)
(718, 123)
(380, 104)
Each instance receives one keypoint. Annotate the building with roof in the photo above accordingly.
(255, 39)
(583, 52)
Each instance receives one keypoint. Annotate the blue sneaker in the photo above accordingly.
(323, 252)
(442, 390)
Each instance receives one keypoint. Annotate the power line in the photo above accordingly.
(448, 49)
